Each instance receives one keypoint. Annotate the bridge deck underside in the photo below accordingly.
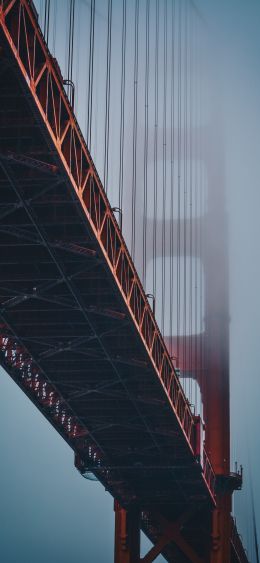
(57, 297)
(61, 308)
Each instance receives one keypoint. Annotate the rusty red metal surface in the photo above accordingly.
(78, 334)
(44, 81)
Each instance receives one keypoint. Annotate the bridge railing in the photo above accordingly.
(42, 75)
(15, 357)
(237, 544)
(17, 361)
(208, 472)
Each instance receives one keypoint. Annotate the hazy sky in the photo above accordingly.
(234, 25)
(48, 512)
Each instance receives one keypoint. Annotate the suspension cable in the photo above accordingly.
(90, 72)
(191, 366)
(255, 535)
(69, 83)
(201, 224)
(46, 26)
(54, 28)
(165, 38)
(122, 110)
(146, 126)
(179, 176)
(155, 146)
(196, 238)
(185, 199)
(172, 170)
(135, 128)
(108, 75)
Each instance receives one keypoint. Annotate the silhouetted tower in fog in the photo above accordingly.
(78, 333)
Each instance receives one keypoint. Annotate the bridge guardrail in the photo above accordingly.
(20, 25)
(16, 359)
(236, 543)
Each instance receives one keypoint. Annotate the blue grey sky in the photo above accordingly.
(48, 512)
(234, 29)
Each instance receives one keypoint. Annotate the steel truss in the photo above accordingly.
(78, 334)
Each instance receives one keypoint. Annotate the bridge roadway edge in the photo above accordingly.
(110, 266)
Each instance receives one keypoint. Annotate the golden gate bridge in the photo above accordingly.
(126, 353)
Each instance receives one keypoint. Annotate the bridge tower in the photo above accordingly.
(209, 363)
(45, 118)
(210, 366)
(216, 379)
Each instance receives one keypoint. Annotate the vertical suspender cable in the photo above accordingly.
(46, 26)
(189, 204)
(255, 536)
(195, 37)
(71, 39)
(146, 124)
(172, 170)
(255, 532)
(122, 110)
(199, 226)
(90, 73)
(179, 177)
(155, 145)
(70, 48)
(191, 366)
(41, 13)
(54, 26)
(201, 214)
(185, 197)
(164, 159)
(77, 29)
(108, 73)
(135, 127)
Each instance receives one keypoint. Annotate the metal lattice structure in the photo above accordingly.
(78, 334)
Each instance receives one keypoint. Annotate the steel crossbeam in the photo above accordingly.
(79, 369)
(36, 64)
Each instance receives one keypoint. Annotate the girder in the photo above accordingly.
(78, 334)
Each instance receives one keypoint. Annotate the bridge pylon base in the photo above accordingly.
(221, 531)
(127, 534)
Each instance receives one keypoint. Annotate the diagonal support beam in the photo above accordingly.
(172, 533)
(30, 162)
(60, 269)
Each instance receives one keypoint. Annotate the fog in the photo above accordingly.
(48, 511)
(234, 53)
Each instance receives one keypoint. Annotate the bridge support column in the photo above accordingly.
(127, 534)
(221, 531)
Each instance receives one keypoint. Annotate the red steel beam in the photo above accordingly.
(43, 79)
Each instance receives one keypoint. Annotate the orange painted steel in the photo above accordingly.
(43, 78)
(43, 81)
(127, 535)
